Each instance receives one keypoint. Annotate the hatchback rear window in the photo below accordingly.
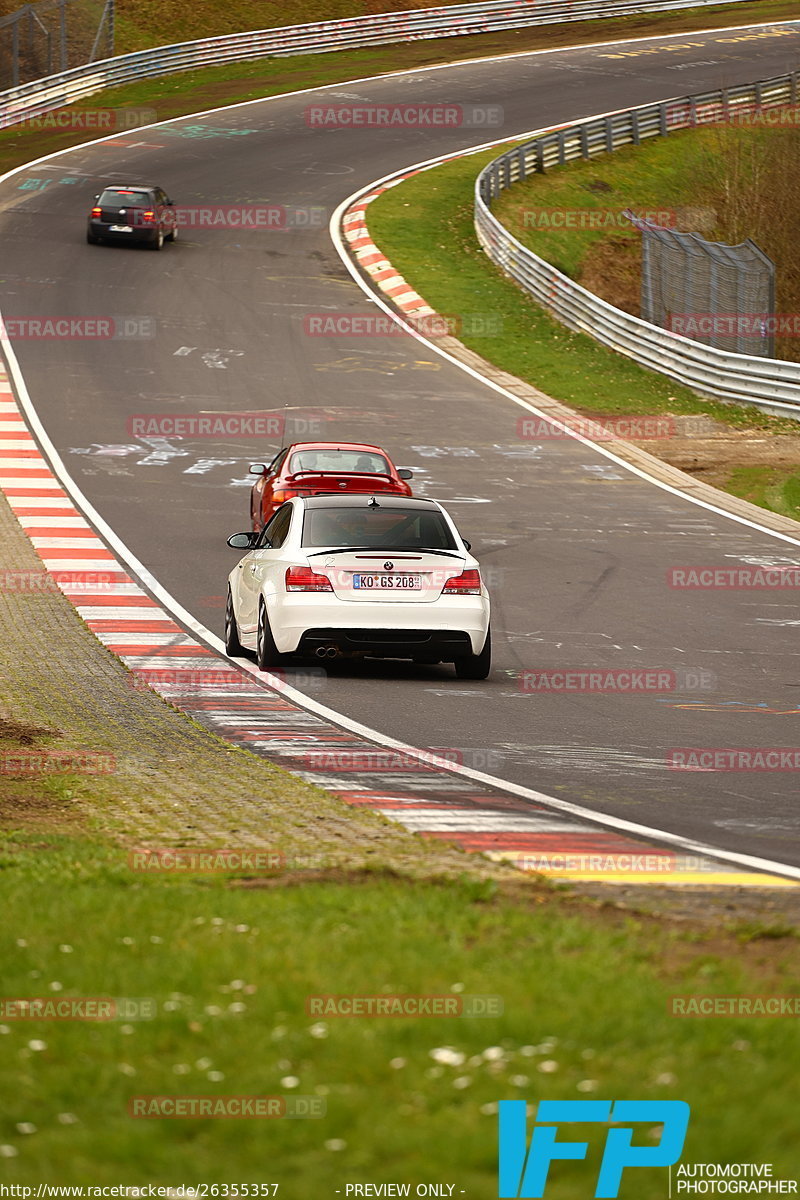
(381, 528)
(115, 198)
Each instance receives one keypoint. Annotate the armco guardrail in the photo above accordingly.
(767, 382)
(44, 95)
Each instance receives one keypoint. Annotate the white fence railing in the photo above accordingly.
(69, 87)
(770, 383)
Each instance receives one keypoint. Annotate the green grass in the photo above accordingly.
(147, 22)
(425, 227)
(659, 176)
(197, 947)
(772, 488)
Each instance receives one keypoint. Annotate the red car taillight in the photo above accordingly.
(303, 579)
(148, 217)
(97, 212)
(282, 494)
(468, 583)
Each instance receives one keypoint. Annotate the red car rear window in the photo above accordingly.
(334, 461)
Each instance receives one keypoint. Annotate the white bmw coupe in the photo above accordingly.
(384, 576)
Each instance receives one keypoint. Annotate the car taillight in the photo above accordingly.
(149, 215)
(97, 212)
(468, 583)
(283, 494)
(303, 579)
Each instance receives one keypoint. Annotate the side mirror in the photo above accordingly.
(97, 197)
(404, 473)
(258, 469)
(467, 545)
(243, 541)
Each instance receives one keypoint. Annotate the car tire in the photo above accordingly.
(233, 647)
(267, 653)
(157, 242)
(476, 666)
(92, 240)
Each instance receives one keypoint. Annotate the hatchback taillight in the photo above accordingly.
(303, 579)
(97, 212)
(468, 583)
(149, 216)
(282, 494)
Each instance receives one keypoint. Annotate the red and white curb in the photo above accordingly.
(240, 708)
(375, 263)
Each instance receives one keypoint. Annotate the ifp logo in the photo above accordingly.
(523, 1172)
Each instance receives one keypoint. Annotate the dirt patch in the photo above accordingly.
(35, 810)
(715, 459)
(705, 448)
(613, 272)
(26, 735)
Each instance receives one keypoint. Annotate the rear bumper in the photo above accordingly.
(139, 233)
(390, 643)
(444, 629)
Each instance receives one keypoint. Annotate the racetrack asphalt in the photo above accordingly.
(578, 550)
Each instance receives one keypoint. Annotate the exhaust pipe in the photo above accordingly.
(326, 652)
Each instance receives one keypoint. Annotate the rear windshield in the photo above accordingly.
(362, 461)
(381, 528)
(119, 197)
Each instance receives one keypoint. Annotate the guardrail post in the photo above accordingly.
(663, 123)
(609, 134)
(635, 128)
(15, 53)
(521, 162)
(62, 30)
(793, 87)
(584, 136)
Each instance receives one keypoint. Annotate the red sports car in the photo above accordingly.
(317, 468)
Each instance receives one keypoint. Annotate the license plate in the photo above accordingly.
(395, 583)
(120, 229)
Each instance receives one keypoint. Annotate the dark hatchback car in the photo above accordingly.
(132, 214)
